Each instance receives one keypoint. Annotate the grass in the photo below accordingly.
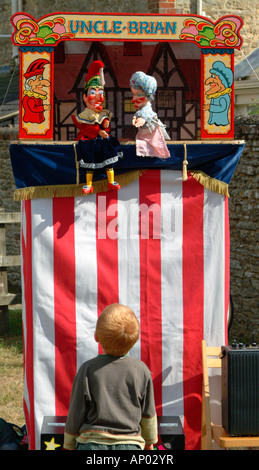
(11, 371)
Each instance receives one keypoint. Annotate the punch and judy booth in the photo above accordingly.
(157, 242)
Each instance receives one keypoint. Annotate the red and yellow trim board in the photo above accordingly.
(37, 40)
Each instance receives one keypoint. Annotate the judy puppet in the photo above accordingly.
(151, 137)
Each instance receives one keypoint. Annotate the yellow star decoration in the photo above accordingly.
(51, 445)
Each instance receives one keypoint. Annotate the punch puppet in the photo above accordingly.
(151, 136)
(97, 149)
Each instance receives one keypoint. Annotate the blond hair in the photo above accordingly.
(117, 329)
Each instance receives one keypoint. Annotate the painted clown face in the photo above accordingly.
(37, 85)
(139, 98)
(94, 99)
(215, 84)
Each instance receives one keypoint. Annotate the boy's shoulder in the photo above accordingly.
(134, 363)
(107, 359)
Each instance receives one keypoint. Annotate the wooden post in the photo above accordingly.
(5, 261)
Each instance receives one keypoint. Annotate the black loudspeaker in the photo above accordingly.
(240, 390)
(52, 432)
(171, 434)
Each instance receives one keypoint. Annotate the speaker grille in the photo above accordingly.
(240, 392)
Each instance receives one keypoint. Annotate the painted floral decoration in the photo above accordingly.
(207, 34)
(29, 32)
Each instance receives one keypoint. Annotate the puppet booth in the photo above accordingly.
(126, 149)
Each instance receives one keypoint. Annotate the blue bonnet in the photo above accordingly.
(147, 83)
(224, 73)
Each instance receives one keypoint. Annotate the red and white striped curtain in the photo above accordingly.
(160, 246)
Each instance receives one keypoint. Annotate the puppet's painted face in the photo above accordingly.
(37, 85)
(139, 98)
(94, 99)
(216, 85)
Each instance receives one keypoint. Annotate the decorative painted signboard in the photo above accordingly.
(81, 26)
(217, 112)
(38, 39)
(36, 94)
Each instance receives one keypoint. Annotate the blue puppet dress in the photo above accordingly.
(93, 151)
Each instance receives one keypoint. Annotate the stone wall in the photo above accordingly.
(248, 10)
(244, 229)
(7, 188)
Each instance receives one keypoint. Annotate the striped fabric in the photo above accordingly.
(160, 246)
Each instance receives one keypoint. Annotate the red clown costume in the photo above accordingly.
(96, 148)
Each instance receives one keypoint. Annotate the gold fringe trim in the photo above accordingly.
(210, 183)
(72, 190)
(185, 163)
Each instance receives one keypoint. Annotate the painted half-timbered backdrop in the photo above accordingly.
(159, 245)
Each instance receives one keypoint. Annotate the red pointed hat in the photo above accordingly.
(94, 77)
(36, 68)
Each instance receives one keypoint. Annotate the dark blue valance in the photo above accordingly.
(36, 164)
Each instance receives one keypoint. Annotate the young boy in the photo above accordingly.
(112, 400)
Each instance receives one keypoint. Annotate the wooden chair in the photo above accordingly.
(211, 357)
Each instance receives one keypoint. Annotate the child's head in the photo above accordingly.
(117, 329)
